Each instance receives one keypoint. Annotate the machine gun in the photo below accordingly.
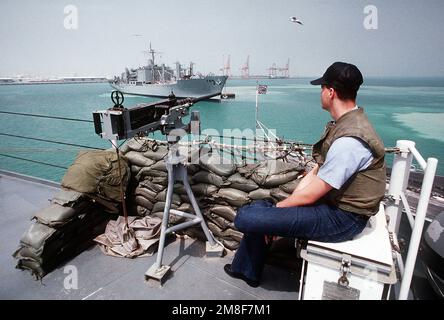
(166, 116)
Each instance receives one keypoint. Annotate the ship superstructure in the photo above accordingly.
(160, 81)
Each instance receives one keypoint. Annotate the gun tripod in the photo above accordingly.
(178, 172)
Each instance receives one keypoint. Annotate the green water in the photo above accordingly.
(409, 109)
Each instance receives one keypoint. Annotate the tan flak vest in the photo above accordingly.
(364, 190)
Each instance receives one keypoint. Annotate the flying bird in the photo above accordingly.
(296, 20)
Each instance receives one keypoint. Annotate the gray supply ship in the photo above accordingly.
(160, 81)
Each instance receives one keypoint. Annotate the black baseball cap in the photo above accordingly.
(341, 76)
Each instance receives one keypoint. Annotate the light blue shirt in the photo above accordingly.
(346, 156)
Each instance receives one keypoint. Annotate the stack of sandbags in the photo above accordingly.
(61, 231)
(220, 188)
(100, 174)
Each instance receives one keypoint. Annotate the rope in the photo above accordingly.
(39, 162)
(301, 148)
(44, 116)
(392, 150)
(34, 149)
(265, 140)
(50, 141)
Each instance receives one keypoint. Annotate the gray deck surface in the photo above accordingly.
(194, 276)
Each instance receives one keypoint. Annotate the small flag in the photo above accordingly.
(262, 89)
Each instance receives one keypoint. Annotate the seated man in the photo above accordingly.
(334, 200)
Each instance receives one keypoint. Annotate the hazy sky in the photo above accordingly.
(407, 41)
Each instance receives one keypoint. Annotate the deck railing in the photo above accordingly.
(398, 201)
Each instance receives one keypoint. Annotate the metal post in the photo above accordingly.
(255, 149)
(244, 151)
(166, 214)
(426, 189)
(178, 172)
(195, 206)
(232, 148)
(257, 110)
(398, 182)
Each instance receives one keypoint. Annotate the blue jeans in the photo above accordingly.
(319, 222)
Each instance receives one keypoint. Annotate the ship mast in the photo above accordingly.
(152, 52)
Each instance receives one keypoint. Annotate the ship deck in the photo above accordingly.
(194, 276)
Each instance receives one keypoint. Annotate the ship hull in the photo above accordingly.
(208, 86)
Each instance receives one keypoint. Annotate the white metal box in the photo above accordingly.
(359, 269)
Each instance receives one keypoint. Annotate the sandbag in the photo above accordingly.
(37, 235)
(151, 186)
(136, 158)
(276, 167)
(179, 189)
(47, 252)
(186, 207)
(56, 215)
(35, 267)
(135, 144)
(161, 196)
(234, 197)
(228, 233)
(219, 188)
(225, 212)
(273, 173)
(209, 178)
(107, 205)
(135, 169)
(202, 201)
(159, 154)
(275, 180)
(144, 202)
(147, 171)
(42, 249)
(278, 194)
(160, 206)
(195, 154)
(66, 197)
(192, 168)
(248, 170)
(233, 234)
(214, 229)
(204, 189)
(241, 183)
(142, 211)
(159, 180)
(222, 223)
(289, 187)
(97, 172)
(173, 219)
(160, 166)
(146, 193)
(215, 164)
(260, 194)
(193, 232)
(219, 201)
(230, 244)
(28, 253)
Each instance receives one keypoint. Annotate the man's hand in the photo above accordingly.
(314, 190)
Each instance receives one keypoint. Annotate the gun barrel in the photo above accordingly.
(197, 99)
